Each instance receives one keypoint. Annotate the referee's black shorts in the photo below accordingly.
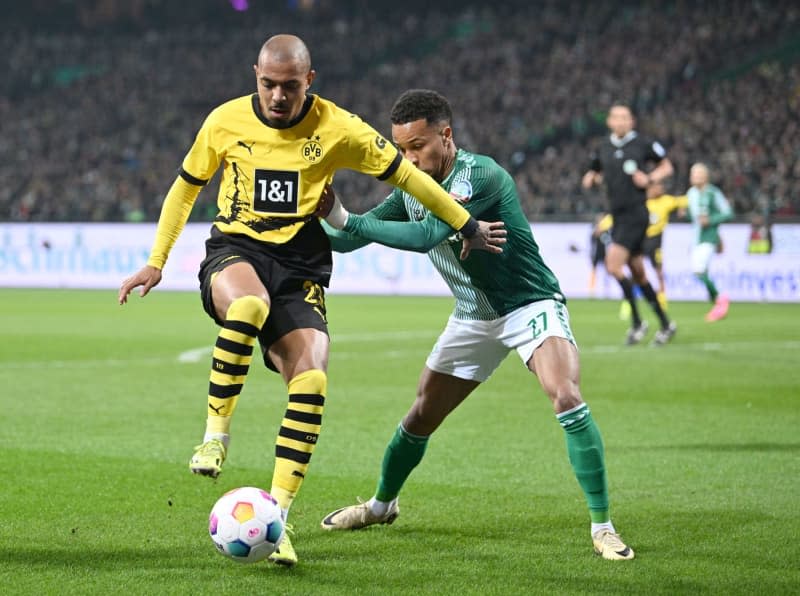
(630, 233)
(297, 298)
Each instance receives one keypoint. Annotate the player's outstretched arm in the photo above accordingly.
(147, 277)
(174, 213)
(343, 241)
(382, 225)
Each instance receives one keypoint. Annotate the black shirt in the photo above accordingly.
(618, 159)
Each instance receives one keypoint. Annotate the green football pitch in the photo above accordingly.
(102, 405)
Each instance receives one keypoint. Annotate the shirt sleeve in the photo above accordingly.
(388, 224)
(366, 151)
(479, 193)
(595, 164)
(391, 209)
(655, 151)
(723, 209)
(425, 189)
(204, 156)
(174, 213)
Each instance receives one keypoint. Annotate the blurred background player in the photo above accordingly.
(620, 163)
(660, 206)
(708, 208)
(600, 239)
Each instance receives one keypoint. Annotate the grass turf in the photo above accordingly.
(101, 413)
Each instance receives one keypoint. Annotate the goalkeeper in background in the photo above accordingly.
(507, 302)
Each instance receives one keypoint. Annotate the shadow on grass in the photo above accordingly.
(159, 560)
(722, 447)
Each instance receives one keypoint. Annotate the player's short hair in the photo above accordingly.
(623, 104)
(418, 104)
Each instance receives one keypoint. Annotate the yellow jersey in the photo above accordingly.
(272, 178)
(660, 208)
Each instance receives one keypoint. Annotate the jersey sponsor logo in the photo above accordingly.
(276, 191)
(311, 149)
(461, 191)
(629, 166)
(619, 153)
(380, 142)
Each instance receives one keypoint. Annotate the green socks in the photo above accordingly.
(712, 289)
(585, 450)
(402, 455)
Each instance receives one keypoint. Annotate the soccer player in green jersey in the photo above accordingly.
(505, 302)
(268, 259)
(708, 208)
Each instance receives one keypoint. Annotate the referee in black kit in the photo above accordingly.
(620, 162)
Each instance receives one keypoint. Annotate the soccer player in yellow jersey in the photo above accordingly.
(268, 258)
(660, 205)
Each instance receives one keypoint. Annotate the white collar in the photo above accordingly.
(621, 142)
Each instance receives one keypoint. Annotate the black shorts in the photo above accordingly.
(297, 299)
(598, 251)
(651, 248)
(630, 234)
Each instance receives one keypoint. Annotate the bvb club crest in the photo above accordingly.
(312, 150)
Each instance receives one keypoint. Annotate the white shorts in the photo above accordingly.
(472, 350)
(701, 257)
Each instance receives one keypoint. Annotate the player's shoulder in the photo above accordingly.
(235, 106)
(479, 164)
(328, 111)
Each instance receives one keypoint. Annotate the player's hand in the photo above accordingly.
(491, 236)
(702, 220)
(589, 179)
(325, 203)
(640, 179)
(148, 277)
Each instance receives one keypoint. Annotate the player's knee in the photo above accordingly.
(565, 395)
(311, 382)
(252, 309)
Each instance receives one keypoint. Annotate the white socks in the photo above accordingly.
(380, 508)
(225, 438)
(603, 526)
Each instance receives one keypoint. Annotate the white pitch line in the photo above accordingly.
(195, 355)
(199, 354)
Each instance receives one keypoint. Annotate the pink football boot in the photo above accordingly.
(720, 309)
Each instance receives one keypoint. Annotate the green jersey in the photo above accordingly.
(486, 286)
(711, 202)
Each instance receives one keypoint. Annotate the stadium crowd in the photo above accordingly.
(97, 115)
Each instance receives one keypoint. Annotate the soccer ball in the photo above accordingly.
(245, 524)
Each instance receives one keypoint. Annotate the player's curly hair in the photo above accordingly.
(416, 104)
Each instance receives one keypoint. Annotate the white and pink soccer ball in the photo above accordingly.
(245, 524)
